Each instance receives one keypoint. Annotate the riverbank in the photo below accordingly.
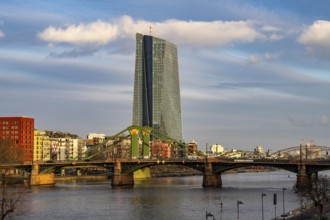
(309, 213)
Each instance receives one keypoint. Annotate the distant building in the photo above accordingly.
(54, 148)
(157, 101)
(19, 131)
(97, 138)
(42, 146)
(259, 150)
(121, 148)
(192, 147)
(71, 149)
(161, 149)
(217, 149)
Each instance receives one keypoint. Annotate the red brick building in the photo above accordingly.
(19, 131)
(192, 147)
(161, 149)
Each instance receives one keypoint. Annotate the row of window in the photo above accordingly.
(17, 127)
(16, 122)
(8, 132)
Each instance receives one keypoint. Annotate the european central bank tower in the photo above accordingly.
(156, 86)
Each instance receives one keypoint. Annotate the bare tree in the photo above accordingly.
(319, 192)
(10, 153)
(9, 199)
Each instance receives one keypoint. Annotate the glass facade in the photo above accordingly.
(156, 86)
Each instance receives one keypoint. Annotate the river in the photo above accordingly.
(164, 198)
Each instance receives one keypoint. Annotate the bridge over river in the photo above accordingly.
(139, 159)
(211, 168)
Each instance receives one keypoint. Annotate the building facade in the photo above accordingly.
(217, 149)
(161, 150)
(97, 138)
(19, 132)
(42, 149)
(156, 100)
(192, 147)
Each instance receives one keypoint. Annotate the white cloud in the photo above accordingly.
(273, 33)
(2, 34)
(196, 33)
(208, 33)
(275, 37)
(256, 58)
(269, 28)
(98, 32)
(317, 34)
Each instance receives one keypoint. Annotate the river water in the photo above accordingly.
(165, 198)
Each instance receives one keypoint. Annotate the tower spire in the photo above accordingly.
(150, 30)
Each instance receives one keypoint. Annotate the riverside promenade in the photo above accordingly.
(309, 213)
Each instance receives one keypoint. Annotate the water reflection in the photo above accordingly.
(163, 198)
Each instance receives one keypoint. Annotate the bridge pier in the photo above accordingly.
(37, 179)
(304, 180)
(210, 179)
(120, 179)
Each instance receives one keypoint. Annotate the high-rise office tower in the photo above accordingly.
(156, 86)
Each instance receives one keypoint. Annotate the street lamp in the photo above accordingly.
(209, 214)
(284, 215)
(221, 206)
(275, 203)
(262, 204)
(238, 203)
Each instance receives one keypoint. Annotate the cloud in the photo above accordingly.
(97, 32)
(257, 58)
(2, 34)
(317, 34)
(76, 52)
(193, 33)
(209, 33)
(316, 39)
(321, 120)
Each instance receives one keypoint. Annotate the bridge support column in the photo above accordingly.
(37, 179)
(210, 179)
(120, 179)
(134, 143)
(146, 143)
(304, 181)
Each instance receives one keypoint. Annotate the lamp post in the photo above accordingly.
(221, 206)
(238, 203)
(262, 204)
(209, 214)
(275, 203)
(284, 215)
(206, 152)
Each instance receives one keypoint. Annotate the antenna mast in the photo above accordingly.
(150, 30)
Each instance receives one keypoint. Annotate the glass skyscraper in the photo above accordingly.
(156, 86)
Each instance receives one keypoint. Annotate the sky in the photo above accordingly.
(252, 72)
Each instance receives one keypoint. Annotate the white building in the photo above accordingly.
(92, 136)
(217, 149)
(259, 150)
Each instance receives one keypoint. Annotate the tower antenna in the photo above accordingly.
(150, 30)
